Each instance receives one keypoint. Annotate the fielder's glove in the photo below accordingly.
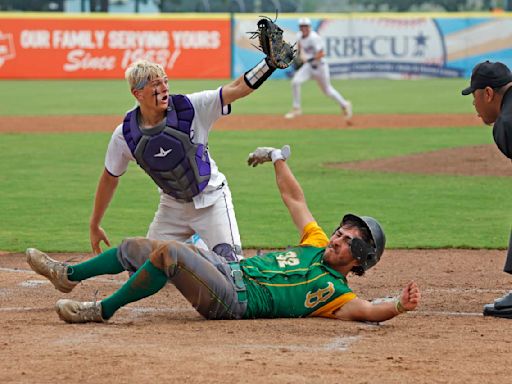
(297, 62)
(279, 53)
(264, 154)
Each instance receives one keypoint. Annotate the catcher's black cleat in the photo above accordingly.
(489, 310)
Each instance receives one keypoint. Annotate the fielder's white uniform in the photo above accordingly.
(211, 213)
(316, 69)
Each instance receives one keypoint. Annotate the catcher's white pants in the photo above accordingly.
(322, 76)
(215, 224)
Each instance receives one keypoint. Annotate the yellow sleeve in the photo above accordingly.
(314, 236)
(330, 309)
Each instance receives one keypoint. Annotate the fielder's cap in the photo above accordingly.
(304, 21)
(488, 74)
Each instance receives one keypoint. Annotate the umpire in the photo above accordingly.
(491, 85)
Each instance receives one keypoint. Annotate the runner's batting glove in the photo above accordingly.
(264, 154)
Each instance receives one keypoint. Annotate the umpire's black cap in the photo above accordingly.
(488, 74)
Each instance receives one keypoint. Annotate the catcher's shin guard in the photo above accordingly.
(256, 76)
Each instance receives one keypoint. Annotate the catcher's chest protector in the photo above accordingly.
(167, 154)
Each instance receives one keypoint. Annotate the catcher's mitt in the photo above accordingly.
(279, 53)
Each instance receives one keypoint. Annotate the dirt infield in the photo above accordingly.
(476, 160)
(162, 338)
(237, 122)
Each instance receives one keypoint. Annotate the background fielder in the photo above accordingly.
(311, 56)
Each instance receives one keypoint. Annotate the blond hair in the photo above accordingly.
(140, 72)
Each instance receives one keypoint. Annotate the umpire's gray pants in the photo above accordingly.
(202, 276)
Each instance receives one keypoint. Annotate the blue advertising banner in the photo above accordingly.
(392, 46)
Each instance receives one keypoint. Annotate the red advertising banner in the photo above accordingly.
(103, 47)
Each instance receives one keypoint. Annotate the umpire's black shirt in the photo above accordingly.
(502, 130)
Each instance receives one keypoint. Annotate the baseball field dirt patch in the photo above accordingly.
(163, 339)
(241, 122)
(475, 160)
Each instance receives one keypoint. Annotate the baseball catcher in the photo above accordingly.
(166, 134)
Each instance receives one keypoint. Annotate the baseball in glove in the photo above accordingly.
(279, 53)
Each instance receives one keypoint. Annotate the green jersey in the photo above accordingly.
(295, 282)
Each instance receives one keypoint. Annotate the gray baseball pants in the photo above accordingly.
(203, 277)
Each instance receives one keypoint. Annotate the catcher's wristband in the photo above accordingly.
(256, 76)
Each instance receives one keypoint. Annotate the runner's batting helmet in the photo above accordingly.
(368, 254)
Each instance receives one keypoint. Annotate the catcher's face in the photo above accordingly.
(155, 94)
(486, 104)
(337, 253)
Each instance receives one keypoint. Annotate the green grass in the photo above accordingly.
(47, 185)
(111, 97)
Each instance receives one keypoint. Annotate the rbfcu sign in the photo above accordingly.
(390, 47)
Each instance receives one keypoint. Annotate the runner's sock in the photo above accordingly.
(105, 263)
(147, 281)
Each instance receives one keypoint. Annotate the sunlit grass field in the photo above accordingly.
(112, 97)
